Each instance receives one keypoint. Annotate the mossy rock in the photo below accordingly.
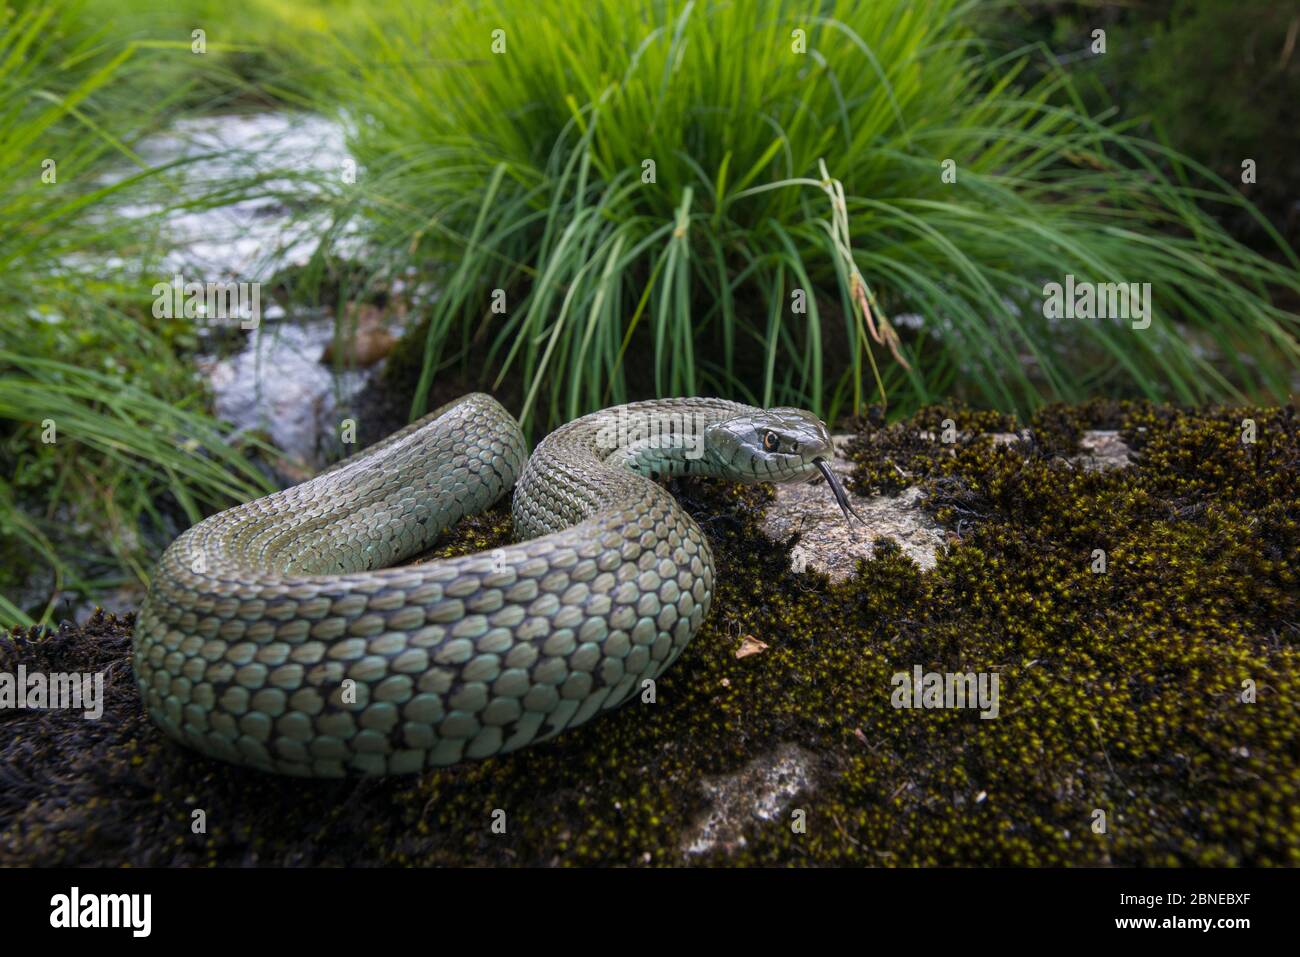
(1121, 692)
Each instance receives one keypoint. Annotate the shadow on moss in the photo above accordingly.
(1120, 691)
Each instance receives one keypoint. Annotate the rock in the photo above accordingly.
(760, 791)
(832, 545)
(276, 386)
(1103, 449)
(806, 725)
(370, 342)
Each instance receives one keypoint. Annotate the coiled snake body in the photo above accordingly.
(275, 636)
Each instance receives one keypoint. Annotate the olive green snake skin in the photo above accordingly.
(275, 635)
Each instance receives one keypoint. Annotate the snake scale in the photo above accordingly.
(276, 634)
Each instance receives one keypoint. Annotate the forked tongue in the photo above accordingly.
(838, 490)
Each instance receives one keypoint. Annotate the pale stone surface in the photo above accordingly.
(760, 792)
(1103, 449)
(832, 545)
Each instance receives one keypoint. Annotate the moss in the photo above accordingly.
(1119, 691)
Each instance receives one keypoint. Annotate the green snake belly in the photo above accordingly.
(275, 636)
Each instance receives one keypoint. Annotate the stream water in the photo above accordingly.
(272, 380)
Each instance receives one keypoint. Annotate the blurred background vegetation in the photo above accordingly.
(1215, 79)
(778, 173)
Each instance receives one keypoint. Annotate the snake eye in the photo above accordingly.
(770, 441)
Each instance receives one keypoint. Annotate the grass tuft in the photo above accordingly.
(528, 168)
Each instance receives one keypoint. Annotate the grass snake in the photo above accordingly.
(277, 635)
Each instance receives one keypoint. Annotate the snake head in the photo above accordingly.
(776, 445)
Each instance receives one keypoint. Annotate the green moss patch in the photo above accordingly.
(1120, 692)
